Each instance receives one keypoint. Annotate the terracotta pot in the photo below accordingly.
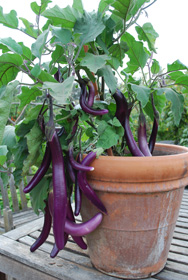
(142, 197)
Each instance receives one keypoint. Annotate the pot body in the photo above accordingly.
(142, 197)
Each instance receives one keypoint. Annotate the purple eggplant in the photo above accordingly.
(76, 165)
(83, 228)
(87, 109)
(59, 191)
(45, 230)
(142, 137)
(86, 188)
(41, 170)
(122, 114)
(91, 95)
(153, 136)
(55, 249)
(78, 239)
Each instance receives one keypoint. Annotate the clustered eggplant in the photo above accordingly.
(123, 111)
(58, 211)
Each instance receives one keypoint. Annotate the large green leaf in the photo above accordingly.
(104, 5)
(9, 67)
(5, 105)
(34, 141)
(142, 93)
(3, 153)
(12, 45)
(148, 34)
(136, 53)
(29, 28)
(65, 17)
(177, 101)
(10, 19)
(94, 62)
(9, 137)
(38, 47)
(28, 95)
(63, 36)
(40, 9)
(122, 8)
(78, 5)
(60, 91)
(176, 65)
(109, 77)
(182, 80)
(118, 51)
(89, 26)
(137, 6)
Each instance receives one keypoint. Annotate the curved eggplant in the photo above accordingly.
(91, 95)
(142, 137)
(41, 171)
(153, 136)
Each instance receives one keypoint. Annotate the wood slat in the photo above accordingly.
(13, 193)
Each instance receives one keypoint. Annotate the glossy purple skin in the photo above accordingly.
(86, 188)
(91, 95)
(87, 109)
(71, 171)
(122, 114)
(55, 250)
(153, 136)
(78, 199)
(45, 230)
(142, 137)
(59, 191)
(78, 239)
(41, 171)
(76, 165)
(83, 228)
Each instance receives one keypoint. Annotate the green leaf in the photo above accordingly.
(20, 154)
(62, 35)
(38, 46)
(9, 137)
(109, 77)
(34, 142)
(65, 17)
(12, 45)
(137, 6)
(155, 68)
(9, 67)
(136, 53)
(3, 153)
(10, 19)
(177, 101)
(89, 26)
(78, 5)
(60, 91)
(28, 95)
(5, 105)
(118, 51)
(104, 5)
(122, 8)
(176, 65)
(40, 9)
(39, 194)
(182, 80)
(94, 62)
(142, 93)
(29, 28)
(36, 70)
(147, 34)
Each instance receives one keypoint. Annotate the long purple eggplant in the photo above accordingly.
(78, 239)
(83, 228)
(122, 114)
(91, 95)
(142, 136)
(76, 165)
(55, 249)
(78, 198)
(41, 170)
(59, 191)
(45, 230)
(153, 136)
(87, 109)
(86, 188)
(70, 170)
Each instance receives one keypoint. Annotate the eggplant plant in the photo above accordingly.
(72, 95)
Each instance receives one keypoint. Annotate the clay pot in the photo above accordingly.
(142, 197)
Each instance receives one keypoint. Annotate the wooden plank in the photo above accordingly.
(58, 267)
(21, 271)
(170, 275)
(177, 267)
(179, 250)
(26, 229)
(8, 220)
(180, 236)
(181, 230)
(4, 194)
(178, 242)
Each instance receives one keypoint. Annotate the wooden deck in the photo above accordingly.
(73, 263)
